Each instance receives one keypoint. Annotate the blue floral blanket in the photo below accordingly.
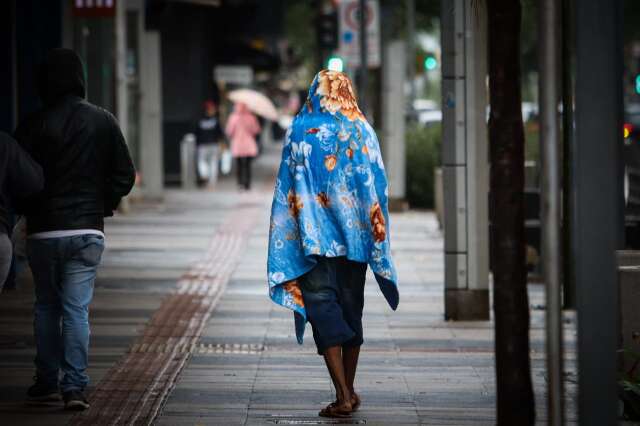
(330, 195)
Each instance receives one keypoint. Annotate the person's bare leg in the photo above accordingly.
(333, 360)
(350, 357)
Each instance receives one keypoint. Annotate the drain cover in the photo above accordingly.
(318, 421)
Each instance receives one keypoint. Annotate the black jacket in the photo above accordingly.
(20, 178)
(86, 163)
(208, 130)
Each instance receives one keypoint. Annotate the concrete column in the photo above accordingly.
(151, 143)
(393, 121)
(122, 90)
(599, 216)
(465, 160)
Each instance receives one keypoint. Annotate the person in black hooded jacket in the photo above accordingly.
(87, 170)
(20, 177)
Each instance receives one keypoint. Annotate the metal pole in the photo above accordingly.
(551, 219)
(568, 147)
(362, 89)
(599, 202)
(411, 51)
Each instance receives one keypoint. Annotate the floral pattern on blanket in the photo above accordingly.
(330, 196)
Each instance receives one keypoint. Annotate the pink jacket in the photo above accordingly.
(242, 127)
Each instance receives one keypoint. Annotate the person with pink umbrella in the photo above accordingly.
(242, 128)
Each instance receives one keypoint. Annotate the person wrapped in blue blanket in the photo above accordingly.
(329, 221)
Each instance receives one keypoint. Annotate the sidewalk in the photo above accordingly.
(415, 367)
(245, 366)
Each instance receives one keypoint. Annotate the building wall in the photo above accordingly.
(32, 28)
(186, 79)
(7, 73)
(94, 40)
(38, 28)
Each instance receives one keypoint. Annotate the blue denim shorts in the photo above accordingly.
(333, 294)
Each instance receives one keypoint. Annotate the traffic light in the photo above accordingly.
(430, 63)
(327, 27)
(638, 84)
(426, 61)
(335, 63)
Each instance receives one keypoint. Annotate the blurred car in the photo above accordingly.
(631, 155)
(427, 112)
(425, 105)
(428, 118)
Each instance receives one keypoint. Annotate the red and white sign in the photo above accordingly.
(349, 32)
(94, 8)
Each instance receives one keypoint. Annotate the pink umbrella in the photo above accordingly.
(257, 102)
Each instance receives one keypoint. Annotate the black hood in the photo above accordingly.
(61, 73)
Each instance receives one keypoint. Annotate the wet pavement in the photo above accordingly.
(238, 362)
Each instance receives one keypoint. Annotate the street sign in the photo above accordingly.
(328, 30)
(233, 74)
(349, 32)
(94, 8)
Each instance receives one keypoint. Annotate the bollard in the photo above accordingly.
(438, 196)
(188, 161)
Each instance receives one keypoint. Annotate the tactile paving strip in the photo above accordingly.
(202, 348)
(133, 391)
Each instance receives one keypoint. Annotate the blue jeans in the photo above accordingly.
(333, 294)
(64, 270)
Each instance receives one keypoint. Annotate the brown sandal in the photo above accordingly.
(355, 402)
(334, 410)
